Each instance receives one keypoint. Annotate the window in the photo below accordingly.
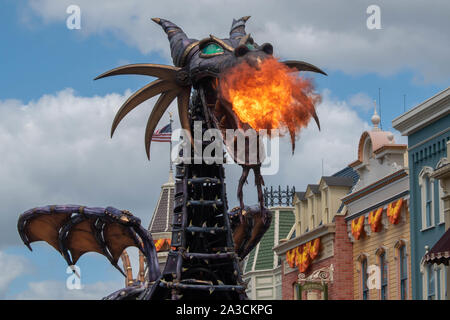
(403, 266)
(368, 150)
(428, 201)
(295, 289)
(426, 184)
(440, 206)
(325, 197)
(384, 275)
(431, 294)
(443, 282)
(365, 289)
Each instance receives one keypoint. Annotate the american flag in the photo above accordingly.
(163, 135)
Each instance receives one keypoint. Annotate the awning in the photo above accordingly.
(440, 253)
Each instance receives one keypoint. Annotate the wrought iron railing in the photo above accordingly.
(278, 197)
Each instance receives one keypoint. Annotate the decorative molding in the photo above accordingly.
(423, 114)
(322, 275)
(374, 186)
(404, 195)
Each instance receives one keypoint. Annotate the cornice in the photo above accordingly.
(423, 114)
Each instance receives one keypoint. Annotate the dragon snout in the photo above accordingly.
(253, 57)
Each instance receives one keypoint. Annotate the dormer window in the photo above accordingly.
(368, 150)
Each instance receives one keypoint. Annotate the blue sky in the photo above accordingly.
(40, 56)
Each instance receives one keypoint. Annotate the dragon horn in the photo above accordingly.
(180, 44)
(238, 27)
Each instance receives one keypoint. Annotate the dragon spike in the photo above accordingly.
(145, 69)
(316, 118)
(160, 107)
(143, 94)
(183, 108)
(238, 27)
(180, 44)
(303, 66)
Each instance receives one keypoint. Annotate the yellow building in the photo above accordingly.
(377, 216)
(325, 271)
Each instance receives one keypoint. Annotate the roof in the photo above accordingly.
(314, 188)
(263, 252)
(379, 140)
(162, 216)
(300, 195)
(338, 181)
(423, 114)
(440, 253)
(347, 172)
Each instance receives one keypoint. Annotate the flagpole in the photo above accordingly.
(170, 152)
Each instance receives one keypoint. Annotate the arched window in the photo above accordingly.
(295, 290)
(363, 264)
(431, 282)
(368, 152)
(403, 271)
(382, 260)
(426, 184)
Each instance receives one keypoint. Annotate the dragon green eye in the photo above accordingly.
(212, 48)
(250, 46)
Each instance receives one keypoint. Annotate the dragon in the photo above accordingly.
(208, 241)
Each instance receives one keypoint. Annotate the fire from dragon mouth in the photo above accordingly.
(270, 97)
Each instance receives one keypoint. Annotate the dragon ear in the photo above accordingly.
(180, 44)
(238, 28)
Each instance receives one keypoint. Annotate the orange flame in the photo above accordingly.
(271, 97)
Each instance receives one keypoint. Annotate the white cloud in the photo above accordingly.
(361, 100)
(57, 150)
(330, 34)
(12, 267)
(56, 290)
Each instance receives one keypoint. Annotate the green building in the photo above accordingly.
(262, 267)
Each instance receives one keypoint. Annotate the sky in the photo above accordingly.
(55, 119)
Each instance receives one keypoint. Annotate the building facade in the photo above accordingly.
(377, 217)
(315, 258)
(427, 127)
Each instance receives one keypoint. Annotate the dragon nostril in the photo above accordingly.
(267, 48)
(241, 51)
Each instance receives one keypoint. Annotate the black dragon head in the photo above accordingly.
(198, 64)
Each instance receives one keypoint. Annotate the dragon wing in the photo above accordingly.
(75, 230)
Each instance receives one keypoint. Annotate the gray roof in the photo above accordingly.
(339, 181)
(314, 188)
(347, 172)
(300, 195)
(163, 214)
